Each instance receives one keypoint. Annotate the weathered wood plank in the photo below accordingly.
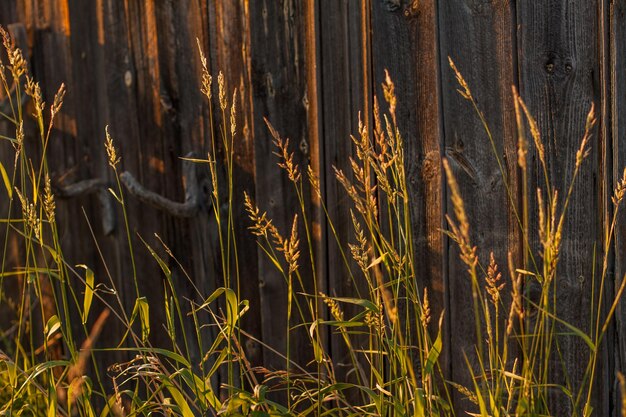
(279, 84)
(617, 82)
(478, 36)
(559, 80)
(345, 90)
(404, 41)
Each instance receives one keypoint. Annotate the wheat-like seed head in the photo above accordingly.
(620, 189)
(29, 214)
(465, 90)
(389, 92)
(17, 64)
(466, 392)
(233, 115)
(292, 253)
(113, 158)
(359, 250)
(522, 145)
(534, 132)
(425, 316)
(460, 228)
(259, 220)
(493, 280)
(222, 90)
(359, 202)
(314, 180)
(19, 139)
(48, 201)
(286, 158)
(58, 102)
(335, 309)
(207, 80)
(33, 90)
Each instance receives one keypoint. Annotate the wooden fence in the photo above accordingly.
(310, 67)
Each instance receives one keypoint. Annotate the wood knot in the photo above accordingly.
(412, 9)
(556, 65)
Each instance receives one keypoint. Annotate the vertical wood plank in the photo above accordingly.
(617, 35)
(559, 80)
(478, 36)
(281, 74)
(404, 41)
(345, 91)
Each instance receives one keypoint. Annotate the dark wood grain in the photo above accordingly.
(345, 91)
(617, 82)
(404, 42)
(278, 69)
(478, 36)
(560, 79)
(310, 67)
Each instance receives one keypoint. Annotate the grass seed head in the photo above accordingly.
(493, 280)
(389, 91)
(335, 309)
(620, 189)
(465, 90)
(222, 90)
(58, 102)
(113, 158)
(207, 79)
(48, 201)
(17, 63)
(425, 316)
(233, 115)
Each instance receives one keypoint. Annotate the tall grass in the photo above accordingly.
(393, 340)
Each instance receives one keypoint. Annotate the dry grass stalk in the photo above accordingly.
(29, 214)
(622, 389)
(516, 309)
(620, 189)
(286, 158)
(534, 132)
(359, 250)
(493, 279)
(465, 92)
(460, 229)
(522, 144)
